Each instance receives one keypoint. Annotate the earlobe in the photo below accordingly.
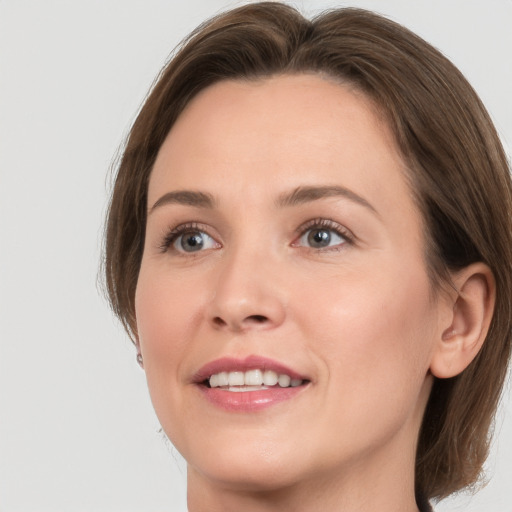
(140, 359)
(136, 342)
(469, 321)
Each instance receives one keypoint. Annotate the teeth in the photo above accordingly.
(284, 380)
(236, 378)
(252, 380)
(214, 381)
(222, 379)
(269, 378)
(242, 389)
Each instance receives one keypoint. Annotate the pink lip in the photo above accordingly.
(247, 401)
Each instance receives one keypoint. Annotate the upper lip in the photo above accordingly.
(252, 362)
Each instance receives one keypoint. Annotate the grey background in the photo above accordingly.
(77, 430)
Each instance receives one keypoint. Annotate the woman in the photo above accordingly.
(309, 243)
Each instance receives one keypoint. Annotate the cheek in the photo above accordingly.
(374, 335)
(374, 342)
(165, 317)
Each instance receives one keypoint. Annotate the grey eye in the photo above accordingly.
(194, 241)
(318, 238)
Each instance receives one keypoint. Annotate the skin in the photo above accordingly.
(358, 317)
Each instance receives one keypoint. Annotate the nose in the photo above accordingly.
(248, 294)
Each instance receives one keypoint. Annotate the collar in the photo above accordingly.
(423, 503)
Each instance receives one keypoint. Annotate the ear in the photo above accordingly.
(469, 320)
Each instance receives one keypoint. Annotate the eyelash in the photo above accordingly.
(318, 223)
(327, 224)
(174, 233)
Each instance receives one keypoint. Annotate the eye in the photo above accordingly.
(322, 234)
(188, 239)
(194, 241)
(321, 237)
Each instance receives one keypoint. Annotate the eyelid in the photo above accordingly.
(173, 234)
(322, 222)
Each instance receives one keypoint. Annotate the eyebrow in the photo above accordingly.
(306, 194)
(185, 197)
(296, 197)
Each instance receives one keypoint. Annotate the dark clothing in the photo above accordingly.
(423, 504)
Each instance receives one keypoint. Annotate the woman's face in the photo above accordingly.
(283, 241)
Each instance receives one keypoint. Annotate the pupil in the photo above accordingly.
(319, 238)
(192, 242)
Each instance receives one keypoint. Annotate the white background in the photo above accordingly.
(77, 431)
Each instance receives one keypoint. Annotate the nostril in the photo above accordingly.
(257, 318)
(219, 322)
(243, 324)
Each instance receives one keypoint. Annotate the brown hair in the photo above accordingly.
(456, 165)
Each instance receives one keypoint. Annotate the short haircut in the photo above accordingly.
(455, 163)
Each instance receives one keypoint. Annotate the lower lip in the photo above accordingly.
(249, 401)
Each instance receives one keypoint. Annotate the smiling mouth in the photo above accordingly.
(252, 380)
(249, 385)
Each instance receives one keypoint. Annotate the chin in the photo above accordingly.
(259, 465)
(247, 476)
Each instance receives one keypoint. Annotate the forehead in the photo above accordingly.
(276, 132)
